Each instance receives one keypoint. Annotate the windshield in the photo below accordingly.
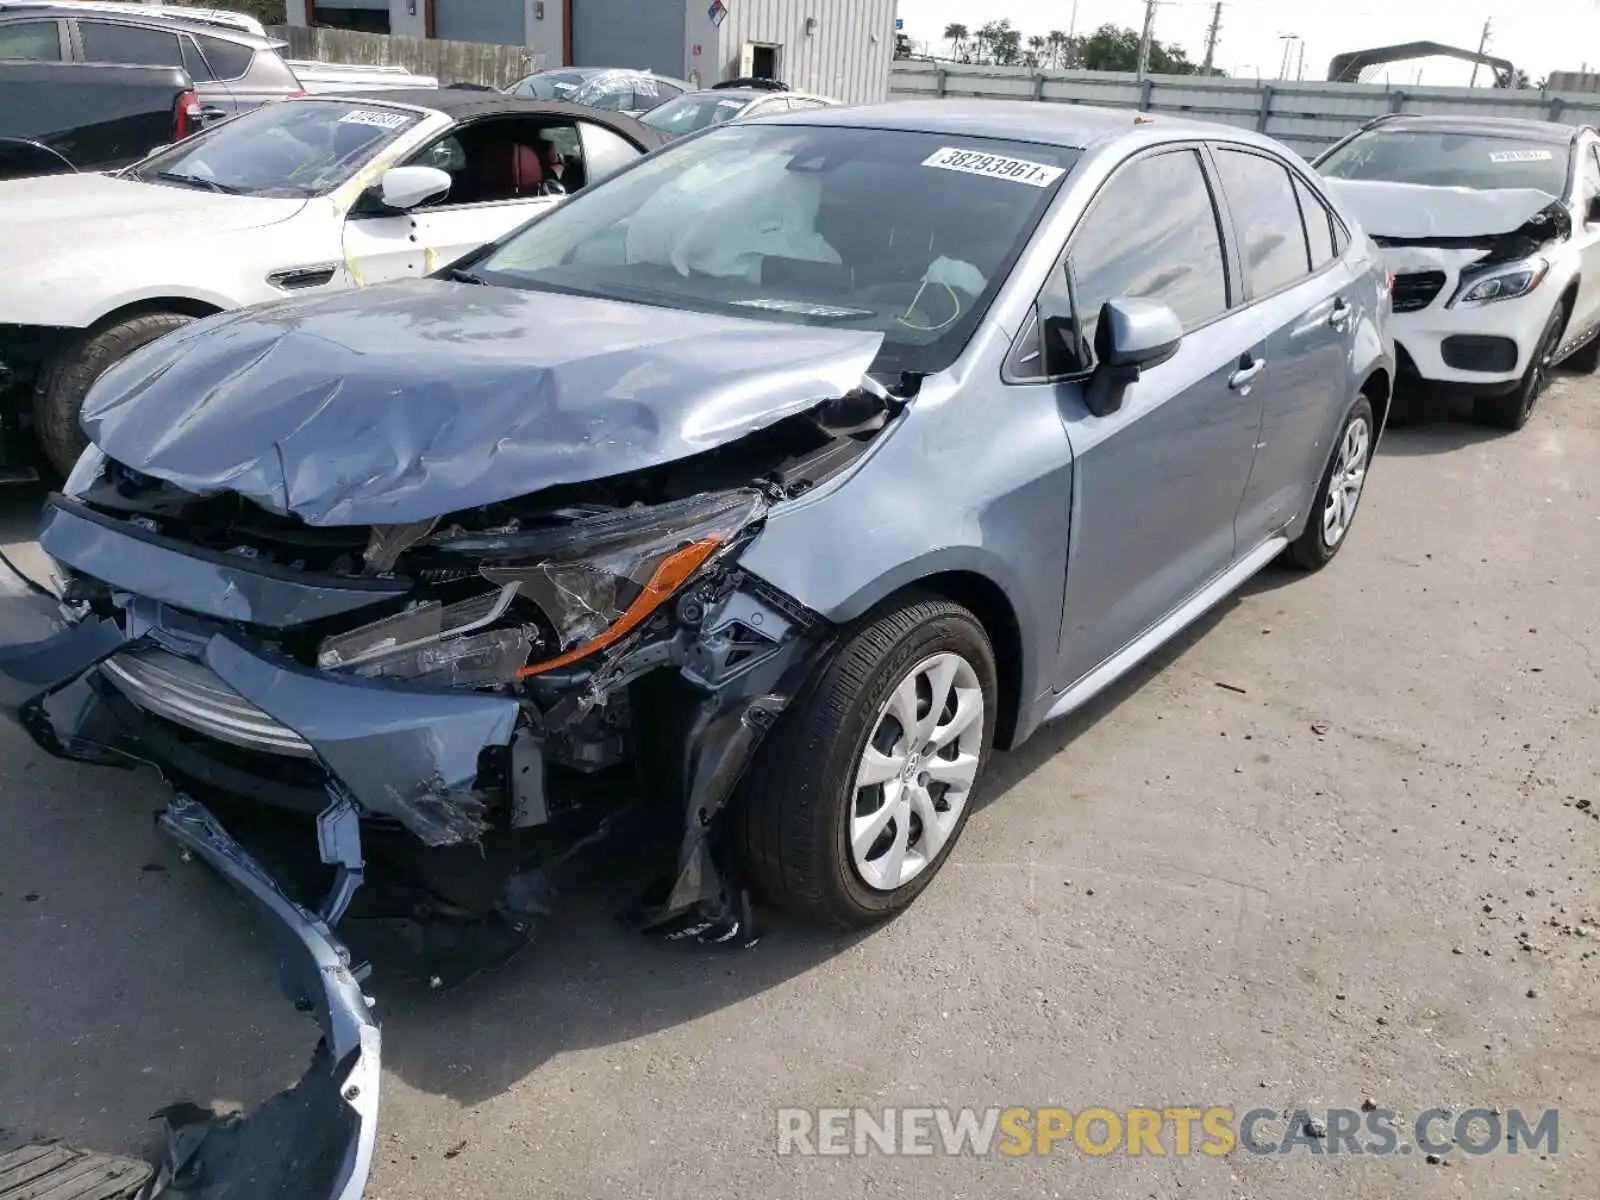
(909, 234)
(293, 148)
(689, 113)
(1440, 158)
(550, 85)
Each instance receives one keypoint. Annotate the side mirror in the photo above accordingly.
(1131, 337)
(1591, 215)
(407, 187)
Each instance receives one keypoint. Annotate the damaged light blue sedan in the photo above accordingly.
(767, 486)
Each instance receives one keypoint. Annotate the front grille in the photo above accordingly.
(1416, 290)
(194, 696)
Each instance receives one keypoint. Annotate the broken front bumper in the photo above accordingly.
(316, 1139)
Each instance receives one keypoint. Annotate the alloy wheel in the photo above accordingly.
(917, 771)
(1348, 478)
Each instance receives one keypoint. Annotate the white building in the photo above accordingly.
(839, 48)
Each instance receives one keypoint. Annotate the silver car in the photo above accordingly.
(763, 489)
(233, 69)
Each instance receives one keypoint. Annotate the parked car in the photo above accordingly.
(62, 117)
(315, 194)
(233, 69)
(1492, 230)
(609, 88)
(432, 558)
(694, 111)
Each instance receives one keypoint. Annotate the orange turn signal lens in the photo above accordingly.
(674, 571)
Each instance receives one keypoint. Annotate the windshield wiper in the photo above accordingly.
(198, 181)
(461, 275)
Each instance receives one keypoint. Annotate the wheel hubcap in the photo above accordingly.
(1344, 487)
(916, 772)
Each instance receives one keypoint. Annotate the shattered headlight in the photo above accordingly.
(593, 580)
(1505, 282)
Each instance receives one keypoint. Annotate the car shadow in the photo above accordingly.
(1428, 421)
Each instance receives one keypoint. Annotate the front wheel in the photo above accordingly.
(66, 380)
(1334, 509)
(1511, 411)
(856, 800)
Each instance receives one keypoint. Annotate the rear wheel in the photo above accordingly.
(1334, 510)
(67, 378)
(858, 797)
(1511, 411)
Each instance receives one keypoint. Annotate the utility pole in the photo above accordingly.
(1211, 37)
(1144, 38)
(1483, 45)
(1288, 40)
(1300, 70)
(1071, 48)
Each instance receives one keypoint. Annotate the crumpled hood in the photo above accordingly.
(411, 400)
(64, 211)
(1415, 212)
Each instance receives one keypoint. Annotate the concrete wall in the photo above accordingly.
(1306, 116)
(846, 55)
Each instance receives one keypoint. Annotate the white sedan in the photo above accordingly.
(309, 195)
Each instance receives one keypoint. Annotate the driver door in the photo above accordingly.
(502, 173)
(1586, 237)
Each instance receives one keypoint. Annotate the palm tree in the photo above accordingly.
(1036, 50)
(956, 34)
(1058, 43)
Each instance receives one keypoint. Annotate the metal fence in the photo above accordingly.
(450, 62)
(1305, 116)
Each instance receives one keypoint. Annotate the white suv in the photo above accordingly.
(1491, 230)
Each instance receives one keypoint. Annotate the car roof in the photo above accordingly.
(1071, 126)
(589, 71)
(211, 22)
(1533, 131)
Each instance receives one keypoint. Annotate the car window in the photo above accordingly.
(1152, 234)
(194, 62)
(1266, 218)
(604, 152)
(229, 60)
(107, 43)
(507, 158)
(288, 149)
(698, 111)
(1447, 158)
(1319, 225)
(32, 41)
(549, 85)
(787, 223)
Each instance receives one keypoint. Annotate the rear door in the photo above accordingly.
(1157, 483)
(1302, 294)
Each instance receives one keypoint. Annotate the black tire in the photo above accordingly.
(1311, 551)
(1586, 359)
(1512, 410)
(66, 379)
(794, 806)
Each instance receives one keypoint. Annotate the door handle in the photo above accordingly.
(1241, 379)
(1340, 316)
(212, 113)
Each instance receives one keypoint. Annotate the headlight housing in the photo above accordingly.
(593, 580)
(1505, 281)
(86, 472)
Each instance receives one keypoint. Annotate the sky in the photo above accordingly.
(1539, 36)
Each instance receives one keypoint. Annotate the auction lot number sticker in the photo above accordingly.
(996, 166)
